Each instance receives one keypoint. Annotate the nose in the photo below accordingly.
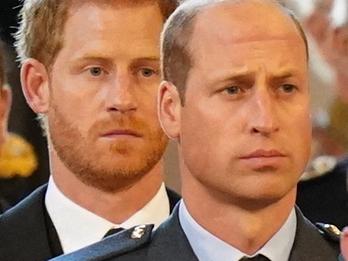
(120, 95)
(264, 116)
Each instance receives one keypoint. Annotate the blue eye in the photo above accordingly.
(233, 90)
(288, 88)
(147, 72)
(95, 71)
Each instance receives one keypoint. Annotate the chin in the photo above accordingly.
(254, 201)
(257, 195)
(111, 184)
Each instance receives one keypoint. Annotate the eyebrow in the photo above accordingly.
(103, 57)
(230, 75)
(243, 74)
(285, 74)
(240, 76)
(109, 60)
(148, 59)
(141, 60)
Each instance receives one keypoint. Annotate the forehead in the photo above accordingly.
(117, 14)
(129, 29)
(114, 3)
(244, 21)
(119, 9)
(245, 29)
(237, 39)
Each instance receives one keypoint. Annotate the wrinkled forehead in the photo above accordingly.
(234, 22)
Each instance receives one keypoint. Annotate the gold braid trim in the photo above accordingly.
(17, 157)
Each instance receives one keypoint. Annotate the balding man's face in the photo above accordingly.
(245, 127)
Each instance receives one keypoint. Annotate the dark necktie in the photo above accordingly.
(258, 257)
(113, 231)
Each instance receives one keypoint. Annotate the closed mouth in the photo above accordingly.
(121, 132)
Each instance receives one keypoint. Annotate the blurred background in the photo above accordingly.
(323, 189)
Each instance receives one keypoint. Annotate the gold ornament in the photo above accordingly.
(17, 157)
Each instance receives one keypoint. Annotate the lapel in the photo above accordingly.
(153, 245)
(23, 230)
(110, 248)
(309, 244)
(169, 242)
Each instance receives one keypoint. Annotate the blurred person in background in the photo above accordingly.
(17, 157)
(22, 120)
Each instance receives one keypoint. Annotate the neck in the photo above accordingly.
(115, 207)
(245, 229)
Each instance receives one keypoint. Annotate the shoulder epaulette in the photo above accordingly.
(112, 246)
(330, 232)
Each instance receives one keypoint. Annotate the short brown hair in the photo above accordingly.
(40, 34)
(176, 59)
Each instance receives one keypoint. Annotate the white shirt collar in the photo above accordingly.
(208, 247)
(77, 227)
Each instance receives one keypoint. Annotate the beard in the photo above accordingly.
(112, 165)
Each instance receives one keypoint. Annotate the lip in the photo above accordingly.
(121, 132)
(261, 159)
(261, 153)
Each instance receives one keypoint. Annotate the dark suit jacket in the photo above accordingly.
(325, 198)
(169, 243)
(27, 232)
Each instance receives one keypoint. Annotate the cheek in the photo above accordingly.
(304, 126)
(75, 98)
(302, 137)
(200, 137)
(72, 112)
(214, 128)
(307, 137)
(147, 110)
(197, 127)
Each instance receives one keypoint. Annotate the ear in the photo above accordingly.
(169, 109)
(35, 85)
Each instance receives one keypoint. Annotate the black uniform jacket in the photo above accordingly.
(27, 232)
(325, 198)
(169, 243)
